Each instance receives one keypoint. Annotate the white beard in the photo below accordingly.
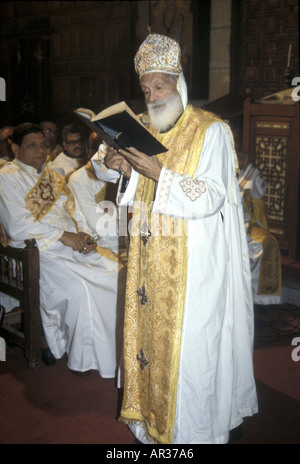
(164, 113)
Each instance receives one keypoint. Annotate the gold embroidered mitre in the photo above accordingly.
(158, 53)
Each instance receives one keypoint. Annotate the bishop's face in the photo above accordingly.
(32, 150)
(162, 99)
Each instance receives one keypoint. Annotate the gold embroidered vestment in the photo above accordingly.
(155, 295)
(269, 282)
(45, 193)
(41, 198)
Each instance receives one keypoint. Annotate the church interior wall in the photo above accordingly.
(56, 56)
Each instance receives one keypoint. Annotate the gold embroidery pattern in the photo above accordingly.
(111, 255)
(269, 282)
(156, 53)
(164, 191)
(100, 161)
(100, 196)
(70, 203)
(192, 188)
(45, 193)
(160, 267)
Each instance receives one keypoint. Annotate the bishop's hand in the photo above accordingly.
(114, 160)
(149, 166)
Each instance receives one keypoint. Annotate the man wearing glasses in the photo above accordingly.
(81, 285)
(74, 154)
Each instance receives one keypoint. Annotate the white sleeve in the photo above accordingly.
(126, 198)
(18, 221)
(85, 199)
(204, 195)
(102, 172)
(259, 187)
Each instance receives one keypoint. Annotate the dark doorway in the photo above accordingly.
(30, 80)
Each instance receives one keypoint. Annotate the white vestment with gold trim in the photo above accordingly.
(81, 296)
(216, 386)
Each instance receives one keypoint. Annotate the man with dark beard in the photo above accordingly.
(74, 154)
(188, 334)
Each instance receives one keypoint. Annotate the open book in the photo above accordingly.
(284, 97)
(119, 127)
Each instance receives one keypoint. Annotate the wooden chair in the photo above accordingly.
(19, 278)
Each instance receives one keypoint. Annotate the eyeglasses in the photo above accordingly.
(48, 130)
(74, 142)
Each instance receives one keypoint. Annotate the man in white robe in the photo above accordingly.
(94, 198)
(74, 154)
(188, 336)
(264, 252)
(81, 291)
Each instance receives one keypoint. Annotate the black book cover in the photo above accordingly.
(121, 130)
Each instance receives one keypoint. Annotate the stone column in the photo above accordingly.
(219, 67)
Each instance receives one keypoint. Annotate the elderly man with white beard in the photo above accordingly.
(188, 334)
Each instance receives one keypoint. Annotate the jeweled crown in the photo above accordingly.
(158, 53)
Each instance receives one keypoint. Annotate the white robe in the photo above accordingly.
(216, 386)
(258, 187)
(101, 223)
(81, 296)
(64, 164)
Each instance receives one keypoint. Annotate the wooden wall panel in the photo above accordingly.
(90, 54)
(271, 137)
(94, 52)
(91, 51)
(268, 27)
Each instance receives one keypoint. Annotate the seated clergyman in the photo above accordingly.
(264, 252)
(81, 285)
